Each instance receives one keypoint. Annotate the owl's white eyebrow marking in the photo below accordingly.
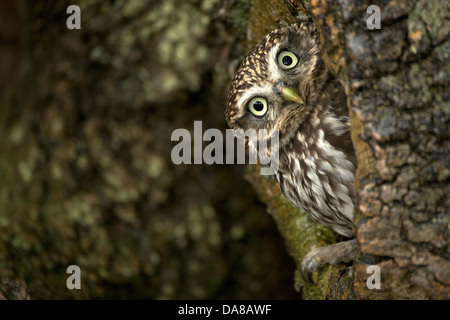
(264, 90)
(274, 69)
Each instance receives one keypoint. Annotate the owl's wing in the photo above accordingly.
(339, 98)
(336, 98)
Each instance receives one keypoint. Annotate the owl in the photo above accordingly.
(283, 84)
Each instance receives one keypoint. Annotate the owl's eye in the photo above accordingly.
(258, 106)
(287, 60)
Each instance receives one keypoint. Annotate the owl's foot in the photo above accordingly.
(344, 251)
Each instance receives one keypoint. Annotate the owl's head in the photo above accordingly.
(277, 84)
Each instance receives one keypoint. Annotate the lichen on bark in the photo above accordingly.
(398, 100)
(86, 171)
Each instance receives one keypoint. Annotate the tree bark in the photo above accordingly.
(397, 83)
(396, 79)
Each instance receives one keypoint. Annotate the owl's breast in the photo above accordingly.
(318, 176)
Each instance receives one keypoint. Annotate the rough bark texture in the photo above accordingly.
(86, 175)
(397, 83)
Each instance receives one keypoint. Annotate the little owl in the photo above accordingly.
(283, 84)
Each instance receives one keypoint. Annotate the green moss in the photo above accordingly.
(301, 234)
(238, 16)
(265, 16)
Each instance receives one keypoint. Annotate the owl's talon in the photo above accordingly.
(345, 272)
(308, 276)
(333, 254)
(310, 264)
(306, 272)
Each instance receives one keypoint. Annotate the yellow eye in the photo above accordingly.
(287, 60)
(258, 106)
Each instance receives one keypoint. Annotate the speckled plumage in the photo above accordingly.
(317, 160)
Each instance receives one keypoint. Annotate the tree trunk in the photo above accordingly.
(396, 79)
(397, 83)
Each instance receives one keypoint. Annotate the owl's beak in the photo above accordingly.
(290, 94)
